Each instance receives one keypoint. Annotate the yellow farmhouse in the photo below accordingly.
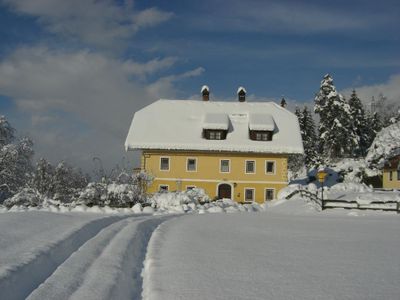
(237, 150)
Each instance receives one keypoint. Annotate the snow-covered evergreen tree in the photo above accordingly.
(360, 126)
(310, 139)
(336, 138)
(374, 125)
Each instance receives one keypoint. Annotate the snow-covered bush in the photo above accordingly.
(283, 193)
(198, 195)
(67, 183)
(94, 194)
(385, 145)
(15, 165)
(26, 197)
(114, 194)
(177, 199)
(170, 199)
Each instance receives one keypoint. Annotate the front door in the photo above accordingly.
(224, 191)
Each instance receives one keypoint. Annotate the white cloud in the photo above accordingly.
(100, 23)
(390, 89)
(80, 104)
(282, 16)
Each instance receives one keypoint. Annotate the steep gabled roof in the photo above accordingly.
(179, 124)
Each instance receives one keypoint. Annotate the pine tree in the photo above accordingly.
(360, 126)
(309, 137)
(299, 116)
(374, 125)
(336, 138)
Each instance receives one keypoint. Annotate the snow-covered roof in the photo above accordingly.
(261, 122)
(240, 88)
(179, 124)
(216, 121)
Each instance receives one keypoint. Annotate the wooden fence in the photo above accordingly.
(347, 204)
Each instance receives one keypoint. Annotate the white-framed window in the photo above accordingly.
(398, 172)
(269, 194)
(190, 187)
(191, 164)
(262, 136)
(214, 134)
(269, 167)
(224, 166)
(250, 167)
(163, 188)
(164, 163)
(249, 194)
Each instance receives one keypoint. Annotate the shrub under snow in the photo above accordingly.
(113, 194)
(26, 197)
(196, 200)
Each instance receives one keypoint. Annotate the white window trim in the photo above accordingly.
(245, 166)
(265, 194)
(164, 185)
(229, 166)
(187, 164)
(265, 167)
(189, 186)
(244, 195)
(169, 163)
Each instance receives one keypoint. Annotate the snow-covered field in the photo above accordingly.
(275, 255)
(287, 250)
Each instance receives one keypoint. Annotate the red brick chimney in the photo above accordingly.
(205, 93)
(241, 94)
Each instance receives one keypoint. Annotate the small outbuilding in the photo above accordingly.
(391, 172)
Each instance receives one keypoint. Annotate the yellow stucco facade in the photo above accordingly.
(391, 178)
(245, 177)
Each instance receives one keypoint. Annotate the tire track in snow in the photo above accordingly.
(22, 279)
(106, 267)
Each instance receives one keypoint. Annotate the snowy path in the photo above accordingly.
(274, 256)
(71, 260)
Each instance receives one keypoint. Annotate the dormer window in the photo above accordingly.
(259, 135)
(212, 134)
(215, 126)
(261, 127)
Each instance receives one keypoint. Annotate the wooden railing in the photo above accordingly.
(389, 205)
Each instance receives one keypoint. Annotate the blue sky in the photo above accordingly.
(73, 72)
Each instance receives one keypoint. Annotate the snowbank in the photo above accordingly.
(192, 201)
